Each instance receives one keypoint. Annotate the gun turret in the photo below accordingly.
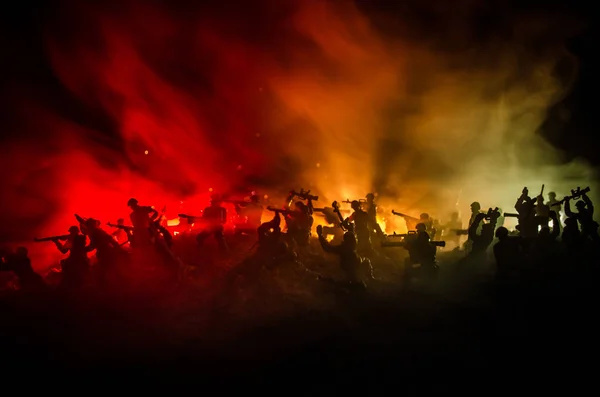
(52, 238)
(304, 195)
(404, 215)
(575, 194)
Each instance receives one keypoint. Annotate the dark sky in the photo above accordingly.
(25, 69)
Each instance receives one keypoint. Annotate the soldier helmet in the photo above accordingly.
(421, 227)
(254, 198)
(571, 222)
(424, 215)
(475, 205)
(551, 194)
(120, 220)
(91, 222)
(355, 204)
(371, 196)
(501, 232)
(73, 229)
(580, 204)
(350, 238)
(132, 202)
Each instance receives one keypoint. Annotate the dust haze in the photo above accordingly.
(328, 95)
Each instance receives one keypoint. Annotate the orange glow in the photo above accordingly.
(328, 102)
(173, 222)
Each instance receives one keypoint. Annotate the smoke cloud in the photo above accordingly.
(426, 107)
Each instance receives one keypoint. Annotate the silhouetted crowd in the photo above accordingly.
(548, 236)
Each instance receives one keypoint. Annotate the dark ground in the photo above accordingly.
(293, 334)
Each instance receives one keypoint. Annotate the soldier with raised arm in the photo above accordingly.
(142, 218)
(585, 216)
(351, 263)
(361, 228)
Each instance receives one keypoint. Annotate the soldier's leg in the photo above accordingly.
(202, 236)
(220, 237)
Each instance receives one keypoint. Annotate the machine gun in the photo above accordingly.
(511, 215)
(304, 195)
(63, 237)
(122, 227)
(404, 215)
(493, 213)
(575, 194)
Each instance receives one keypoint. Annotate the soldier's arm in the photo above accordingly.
(153, 213)
(61, 247)
(91, 246)
(568, 211)
(310, 207)
(588, 201)
(326, 246)
(555, 224)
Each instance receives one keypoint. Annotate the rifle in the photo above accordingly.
(280, 211)
(80, 219)
(343, 222)
(360, 201)
(404, 215)
(304, 195)
(52, 238)
(403, 244)
(575, 194)
(510, 215)
(410, 233)
(190, 218)
(122, 227)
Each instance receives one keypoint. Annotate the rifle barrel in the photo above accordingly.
(51, 238)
